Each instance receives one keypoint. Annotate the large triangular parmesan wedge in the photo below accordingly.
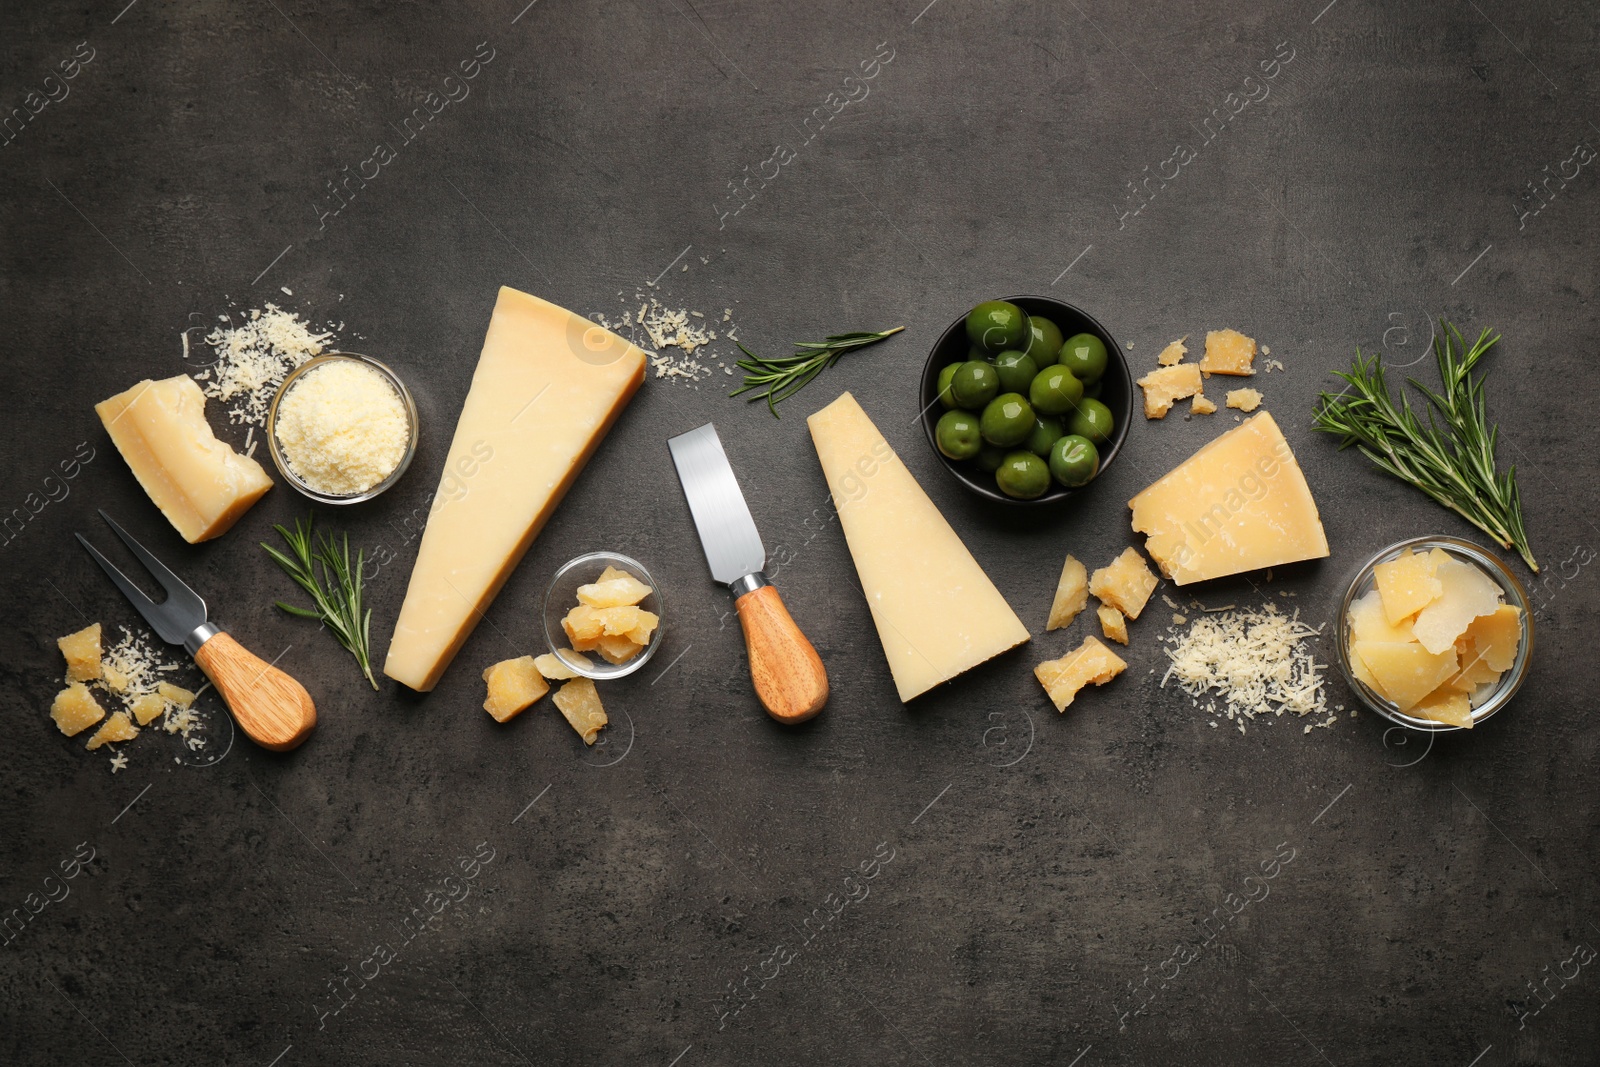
(548, 386)
(1239, 504)
(936, 612)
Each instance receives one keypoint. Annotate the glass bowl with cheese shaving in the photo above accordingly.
(1435, 634)
(602, 617)
(342, 428)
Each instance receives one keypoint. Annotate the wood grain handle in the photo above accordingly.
(271, 707)
(787, 672)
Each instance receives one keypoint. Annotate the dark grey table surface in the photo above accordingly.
(1371, 171)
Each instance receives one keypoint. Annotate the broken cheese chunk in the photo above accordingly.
(1112, 624)
(200, 484)
(1201, 406)
(82, 651)
(1497, 635)
(1445, 706)
(1239, 504)
(514, 684)
(551, 667)
(1072, 595)
(1228, 352)
(1091, 663)
(1403, 671)
(1369, 623)
(1244, 399)
(174, 694)
(580, 703)
(622, 591)
(1169, 384)
(1173, 354)
(147, 708)
(75, 709)
(115, 729)
(1125, 583)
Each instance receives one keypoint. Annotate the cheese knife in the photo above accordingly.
(270, 706)
(787, 672)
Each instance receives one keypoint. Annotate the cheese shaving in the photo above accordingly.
(1252, 661)
(253, 358)
(655, 328)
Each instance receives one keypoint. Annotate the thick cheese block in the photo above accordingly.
(1168, 384)
(549, 384)
(936, 612)
(200, 484)
(1239, 504)
(1228, 352)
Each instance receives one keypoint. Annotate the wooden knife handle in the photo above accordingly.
(271, 707)
(787, 672)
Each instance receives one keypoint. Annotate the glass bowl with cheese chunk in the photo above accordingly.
(342, 428)
(602, 617)
(1435, 634)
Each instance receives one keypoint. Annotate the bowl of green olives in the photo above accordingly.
(1026, 399)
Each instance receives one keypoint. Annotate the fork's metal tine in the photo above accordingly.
(155, 614)
(180, 598)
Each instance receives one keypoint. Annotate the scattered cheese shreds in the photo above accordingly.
(253, 358)
(1256, 661)
(656, 328)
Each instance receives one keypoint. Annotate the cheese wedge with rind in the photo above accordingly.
(1239, 504)
(548, 387)
(200, 484)
(936, 612)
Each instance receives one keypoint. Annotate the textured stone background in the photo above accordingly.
(1042, 865)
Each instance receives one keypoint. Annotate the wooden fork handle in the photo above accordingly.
(787, 672)
(271, 707)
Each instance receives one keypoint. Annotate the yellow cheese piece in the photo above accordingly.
(1091, 663)
(1369, 623)
(1496, 636)
(551, 667)
(1445, 706)
(75, 709)
(174, 694)
(1244, 399)
(82, 651)
(1465, 593)
(1404, 671)
(549, 384)
(936, 612)
(147, 708)
(617, 648)
(1163, 387)
(1238, 504)
(1173, 354)
(1474, 671)
(1125, 583)
(200, 484)
(513, 685)
(622, 591)
(1072, 595)
(1407, 584)
(117, 728)
(1228, 352)
(580, 703)
(1201, 406)
(115, 680)
(1112, 624)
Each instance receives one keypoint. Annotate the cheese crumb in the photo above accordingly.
(343, 428)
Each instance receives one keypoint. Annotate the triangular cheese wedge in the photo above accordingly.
(548, 386)
(936, 612)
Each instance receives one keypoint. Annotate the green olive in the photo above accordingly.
(1074, 461)
(1092, 390)
(996, 325)
(1084, 354)
(944, 385)
(1007, 420)
(1046, 432)
(1055, 390)
(1091, 420)
(1023, 475)
(1044, 341)
(989, 458)
(957, 434)
(974, 384)
(1016, 370)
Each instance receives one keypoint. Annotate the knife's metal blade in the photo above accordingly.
(727, 532)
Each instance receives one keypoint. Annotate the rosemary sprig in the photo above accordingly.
(1451, 458)
(787, 375)
(323, 570)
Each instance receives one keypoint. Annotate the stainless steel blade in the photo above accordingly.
(727, 532)
(176, 618)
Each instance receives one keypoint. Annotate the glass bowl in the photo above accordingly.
(288, 472)
(1116, 393)
(562, 596)
(1365, 581)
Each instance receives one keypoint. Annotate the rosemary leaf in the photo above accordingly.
(784, 376)
(322, 568)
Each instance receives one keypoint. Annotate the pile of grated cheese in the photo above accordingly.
(655, 328)
(140, 667)
(343, 427)
(254, 357)
(1247, 663)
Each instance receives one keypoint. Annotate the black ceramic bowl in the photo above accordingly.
(1116, 394)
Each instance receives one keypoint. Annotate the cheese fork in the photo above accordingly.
(269, 706)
